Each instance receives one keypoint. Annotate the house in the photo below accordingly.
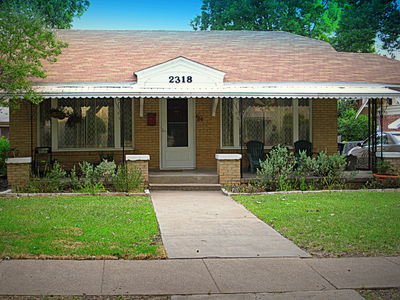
(391, 116)
(185, 100)
(4, 122)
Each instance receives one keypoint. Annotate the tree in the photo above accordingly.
(26, 40)
(362, 22)
(350, 128)
(350, 25)
(55, 13)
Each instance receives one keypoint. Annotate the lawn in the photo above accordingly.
(333, 224)
(79, 227)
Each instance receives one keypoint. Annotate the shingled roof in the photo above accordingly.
(245, 56)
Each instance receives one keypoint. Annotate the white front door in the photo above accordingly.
(177, 134)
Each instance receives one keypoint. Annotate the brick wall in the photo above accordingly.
(228, 171)
(18, 175)
(387, 119)
(324, 125)
(143, 166)
(207, 134)
(20, 128)
(147, 138)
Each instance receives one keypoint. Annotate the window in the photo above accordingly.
(271, 121)
(100, 123)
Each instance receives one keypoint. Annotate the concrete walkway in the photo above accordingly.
(241, 278)
(210, 224)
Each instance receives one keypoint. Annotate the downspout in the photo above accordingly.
(369, 135)
(374, 132)
(241, 135)
(381, 125)
(122, 114)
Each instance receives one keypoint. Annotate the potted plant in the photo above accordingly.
(73, 119)
(385, 170)
(56, 113)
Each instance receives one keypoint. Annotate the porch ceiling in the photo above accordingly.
(313, 90)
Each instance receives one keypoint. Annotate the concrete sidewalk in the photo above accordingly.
(198, 224)
(312, 278)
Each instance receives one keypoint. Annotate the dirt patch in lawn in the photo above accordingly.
(383, 294)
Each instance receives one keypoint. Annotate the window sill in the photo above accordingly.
(244, 147)
(92, 149)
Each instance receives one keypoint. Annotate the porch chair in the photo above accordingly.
(303, 145)
(255, 153)
(43, 160)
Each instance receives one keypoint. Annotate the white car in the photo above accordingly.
(389, 141)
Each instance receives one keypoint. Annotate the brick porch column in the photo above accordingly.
(228, 168)
(18, 171)
(141, 162)
(392, 157)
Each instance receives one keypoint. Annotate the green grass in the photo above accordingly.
(79, 227)
(333, 224)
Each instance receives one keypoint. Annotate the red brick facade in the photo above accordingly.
(147, 138)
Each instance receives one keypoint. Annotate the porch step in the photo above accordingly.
(183, 179)
(184, 187)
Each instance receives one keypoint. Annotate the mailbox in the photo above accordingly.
(151, 119)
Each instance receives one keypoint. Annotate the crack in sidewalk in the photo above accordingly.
(212, 277)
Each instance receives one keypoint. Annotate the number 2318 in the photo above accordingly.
(180, 79)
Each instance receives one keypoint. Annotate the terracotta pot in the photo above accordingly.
(381, 176)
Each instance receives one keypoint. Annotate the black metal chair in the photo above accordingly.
(255, 153)
(303, 145)
(43, 160)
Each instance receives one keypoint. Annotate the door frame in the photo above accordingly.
(191, 132)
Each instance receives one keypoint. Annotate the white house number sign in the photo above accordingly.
(180, 79)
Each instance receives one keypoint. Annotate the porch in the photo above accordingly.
(184, 128)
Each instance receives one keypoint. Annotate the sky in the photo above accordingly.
(139, 15)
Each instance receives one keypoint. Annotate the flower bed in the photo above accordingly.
(87, 179)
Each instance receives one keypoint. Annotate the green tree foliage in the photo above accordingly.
(364, 21)
(55, 13)
(350, 25)
(350, 128)
(27, 40)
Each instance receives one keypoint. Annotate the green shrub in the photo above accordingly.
(53, 181)
(329, 169)
(105, 171)
(128, 179)
(276, 170)
(87, 172)
(4, 148)
(283, 171)
(91, 187)
(94, 178)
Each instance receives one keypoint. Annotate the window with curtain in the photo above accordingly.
(271, 121)
(90, 123)
(45, 123)
(86, 123)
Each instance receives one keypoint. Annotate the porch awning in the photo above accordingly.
(227, 90)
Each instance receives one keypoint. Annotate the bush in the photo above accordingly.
(283, 171)
(92, 180)
(128, 179)
(275, 171)
(53, 181)
(4, 148)
(105, 171)
(329, 169)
